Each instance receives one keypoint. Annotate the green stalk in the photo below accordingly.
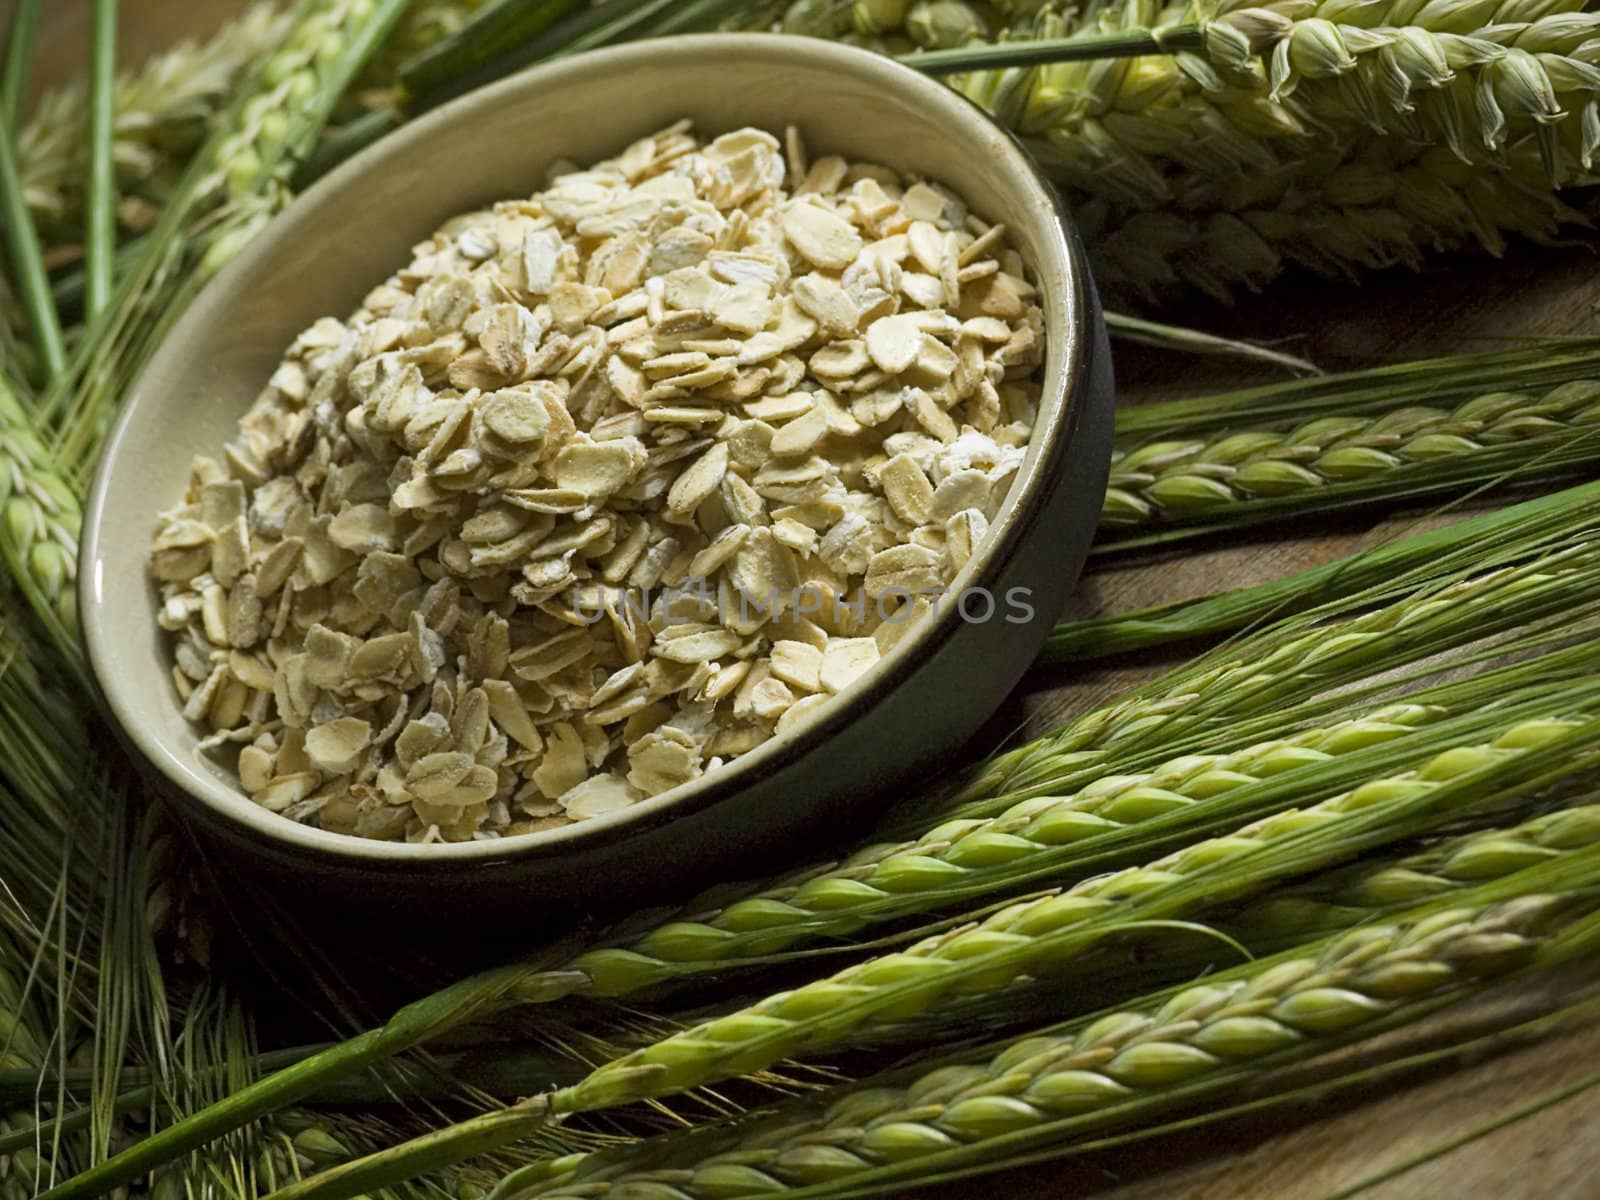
(417, 1022)
(509, 1072)
(100, 217)
(1080, 47)
(493, 30)
(507, 36)
(585, 29)
(1449, 379)
(599, 25)
(21, 236)
(50, 890)
(18, 1086)
(1143, 332)
(699, 16)
(69, 287)
(344, 143)
(494, 1067)
(1311, 996)
(18, 62)
(1393, 564)
(1433, 1153)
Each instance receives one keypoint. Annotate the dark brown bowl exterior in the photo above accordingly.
(913, 712)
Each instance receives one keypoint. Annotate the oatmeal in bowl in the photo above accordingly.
(605, 488)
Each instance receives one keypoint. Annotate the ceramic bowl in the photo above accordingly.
(900, 724)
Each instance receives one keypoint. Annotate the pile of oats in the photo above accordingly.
(607, 487)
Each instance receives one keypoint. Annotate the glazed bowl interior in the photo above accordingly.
(356, 227)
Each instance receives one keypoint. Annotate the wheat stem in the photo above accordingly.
(23, 251)
(18, 61)
(1143, 332)
(24, 1038)
(51, 885)
(100, 222)
(413, 1024)
(491, 31)
(425, 25)
(580, 30)
(1081, 47)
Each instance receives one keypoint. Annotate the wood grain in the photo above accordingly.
(1314, 1150)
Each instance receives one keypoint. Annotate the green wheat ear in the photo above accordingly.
(40, 518)
(1052, 1088)
(1326, 144)
(1036, 935)
(1170, 482)
(1048, 932)
(983, 1108)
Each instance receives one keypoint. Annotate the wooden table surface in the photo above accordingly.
(1314, 1150)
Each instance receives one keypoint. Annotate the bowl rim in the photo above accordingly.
(1066, 380)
